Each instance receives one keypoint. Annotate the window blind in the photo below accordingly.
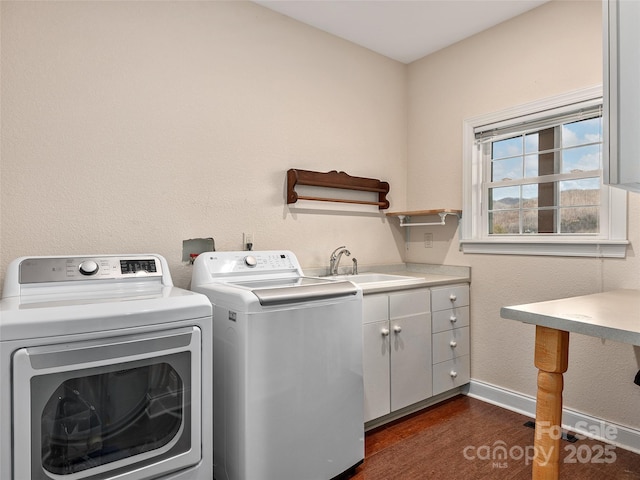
(538, 121)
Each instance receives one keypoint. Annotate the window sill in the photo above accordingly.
(550, 247)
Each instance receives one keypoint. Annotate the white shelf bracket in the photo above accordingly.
(405, 220)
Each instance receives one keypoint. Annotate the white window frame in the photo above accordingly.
(610, 242)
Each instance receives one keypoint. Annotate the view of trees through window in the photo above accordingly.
(546, 181)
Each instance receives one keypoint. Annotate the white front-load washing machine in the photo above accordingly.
(105, 371)
(288, 389)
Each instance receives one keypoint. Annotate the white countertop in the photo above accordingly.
(423, 280)
(613, 315)
(426, 275)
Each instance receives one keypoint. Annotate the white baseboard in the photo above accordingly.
(580, 423)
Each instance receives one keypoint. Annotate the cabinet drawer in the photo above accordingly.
(449, 296)
(409, 303)
(375, 308)
(450, 374)
(450, 344)
(450, 318)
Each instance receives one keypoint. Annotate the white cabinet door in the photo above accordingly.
(410, 359)
(375, 356)
(622, 94)
(410, 338)
(375, 370)
(397, 351)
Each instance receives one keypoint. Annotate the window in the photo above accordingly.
(533, 181)
(545, 180)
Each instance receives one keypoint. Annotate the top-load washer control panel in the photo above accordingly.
(210, 265)
(64, 269)
(266, 261)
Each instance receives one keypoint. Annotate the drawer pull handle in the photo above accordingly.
(453, 319)
(384, 332)
(453, 374)
(453, 297)
(397, 329)
(453, 344)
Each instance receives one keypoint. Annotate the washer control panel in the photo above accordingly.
(229, 263)
(65, 269)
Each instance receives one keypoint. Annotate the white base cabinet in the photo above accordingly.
(397, 351)
(416, 345)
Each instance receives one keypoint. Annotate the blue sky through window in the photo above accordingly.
(579, 148)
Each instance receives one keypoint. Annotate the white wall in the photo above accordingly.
(542, 53)
(132, 126)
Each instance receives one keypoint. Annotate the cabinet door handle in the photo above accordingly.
(397, 329)
(453, 374)
(453, 344)
(384, 332)
(453, 319)
(453, 297)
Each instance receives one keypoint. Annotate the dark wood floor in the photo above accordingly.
(458, 438)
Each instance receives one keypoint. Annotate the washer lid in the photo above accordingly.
(303, 289)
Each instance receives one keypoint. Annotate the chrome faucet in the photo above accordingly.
(334, 260)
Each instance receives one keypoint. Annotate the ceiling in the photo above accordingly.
(404, 30)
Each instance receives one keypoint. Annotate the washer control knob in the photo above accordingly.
(250, 261)
(88, 267)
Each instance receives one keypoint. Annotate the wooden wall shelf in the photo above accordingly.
(335, 179)
(405, 217)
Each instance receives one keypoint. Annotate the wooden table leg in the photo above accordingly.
(551, 359)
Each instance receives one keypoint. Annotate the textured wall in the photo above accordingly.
(131, 126)
(542, 53)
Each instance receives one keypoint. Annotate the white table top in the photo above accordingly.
(613, 315)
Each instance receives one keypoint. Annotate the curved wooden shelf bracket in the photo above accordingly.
(335, 179)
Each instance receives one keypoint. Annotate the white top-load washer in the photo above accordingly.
(102, 362)
(288, 390)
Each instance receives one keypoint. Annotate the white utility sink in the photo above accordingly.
(371, 281)
(372, 278)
